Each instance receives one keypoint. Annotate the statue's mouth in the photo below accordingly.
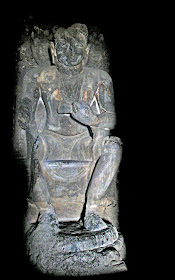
(70, 61)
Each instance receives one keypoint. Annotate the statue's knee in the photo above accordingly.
(113, 145)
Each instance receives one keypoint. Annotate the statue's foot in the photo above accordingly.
(49, 219)
(93, 222)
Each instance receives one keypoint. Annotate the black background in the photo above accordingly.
(125, 30)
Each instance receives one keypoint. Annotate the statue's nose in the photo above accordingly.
(71, 50)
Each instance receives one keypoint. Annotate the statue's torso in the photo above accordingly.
(59, 92)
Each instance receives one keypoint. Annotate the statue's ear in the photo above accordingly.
(88, 49)
(53, 52)
(86, 56)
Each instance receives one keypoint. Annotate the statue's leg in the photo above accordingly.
(38, 195)
(102, 187)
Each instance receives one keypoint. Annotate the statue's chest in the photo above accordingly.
(61, 93)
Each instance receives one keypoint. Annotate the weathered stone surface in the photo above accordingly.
(70, 249)
(94, 223)
(65, 114)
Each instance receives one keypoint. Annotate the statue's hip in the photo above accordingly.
(53, 147)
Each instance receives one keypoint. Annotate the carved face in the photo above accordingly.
(70, 49)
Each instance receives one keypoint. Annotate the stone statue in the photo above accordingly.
(67, 111)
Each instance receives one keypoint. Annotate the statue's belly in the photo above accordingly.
(64, 124)
(54, 147)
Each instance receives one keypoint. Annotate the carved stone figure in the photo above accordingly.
(67, 111)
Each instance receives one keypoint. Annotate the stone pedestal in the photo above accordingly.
(68, 249)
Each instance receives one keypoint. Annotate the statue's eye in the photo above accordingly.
(61, 43)
(79, 51)
(64, 45)
(79, 46)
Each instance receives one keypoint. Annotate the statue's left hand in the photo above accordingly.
(83, 113)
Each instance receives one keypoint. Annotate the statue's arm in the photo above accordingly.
(101, 112)
(29, 99)
(105, 120)
(104, 98)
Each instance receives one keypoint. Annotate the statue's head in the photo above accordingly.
(70, 46)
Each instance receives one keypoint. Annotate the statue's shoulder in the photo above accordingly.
(40, 71)
(98, 74)
(47, 75)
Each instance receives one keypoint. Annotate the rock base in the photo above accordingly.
(68, 249)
